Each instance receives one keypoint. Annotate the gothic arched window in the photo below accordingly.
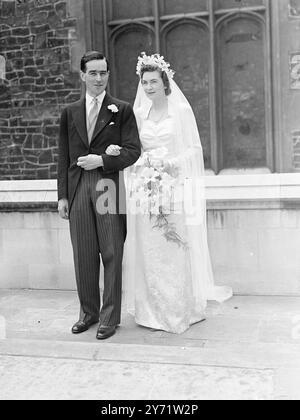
(221, 52)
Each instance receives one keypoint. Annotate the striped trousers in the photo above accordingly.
(93, 234)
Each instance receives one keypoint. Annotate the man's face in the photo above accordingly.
(95, 77)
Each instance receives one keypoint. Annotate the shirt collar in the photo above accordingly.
(90, 99)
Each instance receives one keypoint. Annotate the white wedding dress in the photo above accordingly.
(168, 279)
(163, 294)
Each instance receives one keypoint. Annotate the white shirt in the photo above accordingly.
(89, 103)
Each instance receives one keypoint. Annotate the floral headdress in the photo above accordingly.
(155, 60)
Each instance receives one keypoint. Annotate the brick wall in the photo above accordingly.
(35, 40)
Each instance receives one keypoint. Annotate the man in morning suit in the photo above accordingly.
(88, 128)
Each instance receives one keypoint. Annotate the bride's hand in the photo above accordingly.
(113, 150)
(156, 162)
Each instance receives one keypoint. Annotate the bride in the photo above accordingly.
(167, 269)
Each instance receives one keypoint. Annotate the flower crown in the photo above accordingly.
(155, 60)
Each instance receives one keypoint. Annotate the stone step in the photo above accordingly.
(214, 353)
(41, 369)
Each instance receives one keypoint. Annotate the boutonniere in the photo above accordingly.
(113, 108)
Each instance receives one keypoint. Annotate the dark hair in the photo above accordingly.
(90, 56)
(164, 76)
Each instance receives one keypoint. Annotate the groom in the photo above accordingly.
(88, 127)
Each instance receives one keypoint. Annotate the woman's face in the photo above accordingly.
(153, 85)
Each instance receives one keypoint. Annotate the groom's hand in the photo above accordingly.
(90, 162)
(63, 208)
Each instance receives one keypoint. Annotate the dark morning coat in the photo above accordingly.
(111, 128)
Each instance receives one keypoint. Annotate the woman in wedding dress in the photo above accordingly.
(168, 277)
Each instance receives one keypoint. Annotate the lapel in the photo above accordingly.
(104, 117)
(80, 121)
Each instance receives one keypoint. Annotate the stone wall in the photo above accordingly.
(36, 40)
(253, 251)
(253, 232)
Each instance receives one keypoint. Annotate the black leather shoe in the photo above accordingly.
(82, 326)
(105, 332)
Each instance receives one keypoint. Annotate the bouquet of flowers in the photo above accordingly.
(153, 191)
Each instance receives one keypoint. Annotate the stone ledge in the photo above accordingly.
(212, 205)
(30, 207)
(257, 191)
(254, 204)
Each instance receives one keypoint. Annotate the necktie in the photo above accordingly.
(92, 119)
